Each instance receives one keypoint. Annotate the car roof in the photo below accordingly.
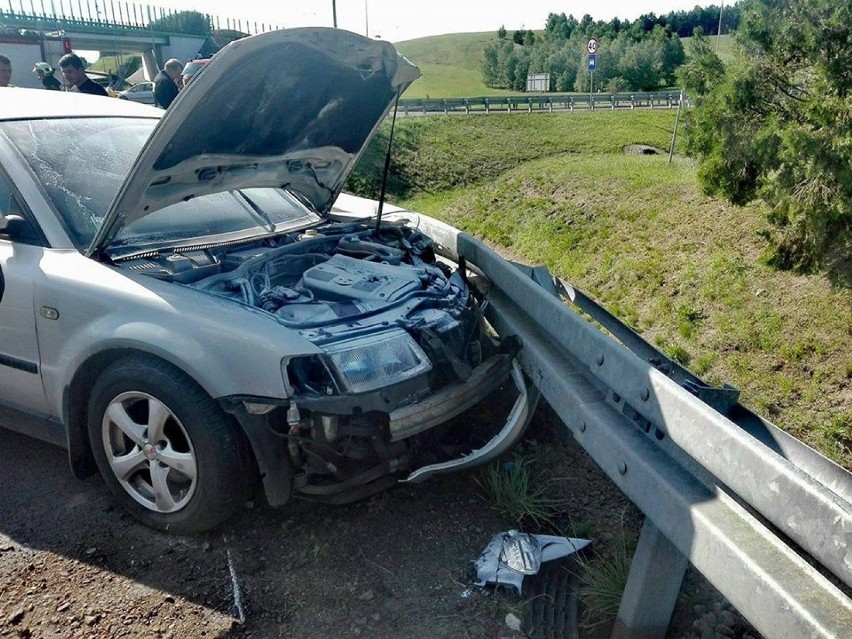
(29, 104)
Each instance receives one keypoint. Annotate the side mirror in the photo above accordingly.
(13, 226)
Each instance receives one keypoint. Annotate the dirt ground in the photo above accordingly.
(398, 565)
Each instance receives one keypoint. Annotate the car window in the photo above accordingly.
(9, 205)
(82, 162)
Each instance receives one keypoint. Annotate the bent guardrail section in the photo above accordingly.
(744, 513)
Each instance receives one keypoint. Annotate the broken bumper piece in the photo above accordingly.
(510, 556)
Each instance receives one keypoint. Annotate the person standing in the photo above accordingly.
(75, 76)
(166, 83)
(5, 70)
(45, 73)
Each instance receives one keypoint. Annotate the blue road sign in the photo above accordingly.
(592, 58)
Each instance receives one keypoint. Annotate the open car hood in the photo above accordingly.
(290, 108)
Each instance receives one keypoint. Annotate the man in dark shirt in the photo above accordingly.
(166, 83)
(75, 76)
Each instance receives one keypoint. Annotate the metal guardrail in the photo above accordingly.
(542, 102)
(767, 520)
(109, 16)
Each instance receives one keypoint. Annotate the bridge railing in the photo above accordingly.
(115, 15)
(542, 102)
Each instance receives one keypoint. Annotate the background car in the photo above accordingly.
(141, 92)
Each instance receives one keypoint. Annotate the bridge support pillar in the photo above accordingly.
(151, 63)
(649, 598)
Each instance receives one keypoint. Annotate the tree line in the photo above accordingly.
(638, 55)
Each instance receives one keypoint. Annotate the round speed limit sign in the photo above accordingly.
(592, 46)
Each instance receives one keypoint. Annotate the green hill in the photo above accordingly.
(451, 65)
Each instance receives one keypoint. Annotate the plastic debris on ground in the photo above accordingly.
(512, 555)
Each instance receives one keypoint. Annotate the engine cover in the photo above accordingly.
(345, 278)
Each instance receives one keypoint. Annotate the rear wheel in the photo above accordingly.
(165, 449)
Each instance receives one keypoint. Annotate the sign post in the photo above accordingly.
(591, 48)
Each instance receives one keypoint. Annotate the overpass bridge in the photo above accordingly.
(34, 30)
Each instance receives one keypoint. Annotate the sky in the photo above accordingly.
(398, 20)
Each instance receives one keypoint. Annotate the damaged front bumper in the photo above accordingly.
(510, 433)
(269, 425)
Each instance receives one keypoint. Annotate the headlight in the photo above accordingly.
(366, 363)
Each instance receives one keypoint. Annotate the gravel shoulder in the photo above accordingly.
(398, 565)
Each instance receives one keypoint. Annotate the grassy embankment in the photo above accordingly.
(687, 271)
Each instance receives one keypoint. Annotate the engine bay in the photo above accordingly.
(342, 281)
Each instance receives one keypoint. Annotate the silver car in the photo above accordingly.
(190, 308)
(140, 92)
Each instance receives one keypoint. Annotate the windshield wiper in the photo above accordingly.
(270, 226)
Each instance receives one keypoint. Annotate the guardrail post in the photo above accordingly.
(466, 106)
(571, 103)
(649, 598)
(669, 99)
(550, 104)
(612, 102)
(487, 109)
(444, 104)
(632, 102)
(651, 100)
(529, 105)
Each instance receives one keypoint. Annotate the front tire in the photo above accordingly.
(165, 449)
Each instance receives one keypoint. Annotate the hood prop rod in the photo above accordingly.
(387, 164)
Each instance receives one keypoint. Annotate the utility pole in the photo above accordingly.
(719, 29)
(674, 134)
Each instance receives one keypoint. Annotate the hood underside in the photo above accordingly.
(292, 109)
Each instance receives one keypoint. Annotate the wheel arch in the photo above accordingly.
(75, 405)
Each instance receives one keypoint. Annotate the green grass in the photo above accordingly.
(686, 270)
(603, 579)
(510, 489)
(111, 63)
(445, 81)
(455, 49)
